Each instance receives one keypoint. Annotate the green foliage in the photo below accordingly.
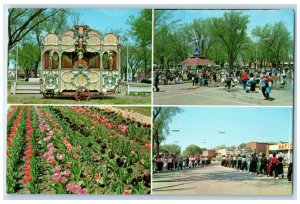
(162, 117)
(171, 148)
(22, 21)
(275, 41)
(192, 150)
(26, 26)
(231, 31)
(142, 27)
(29, 58)
(141, 31)
(223, 40)
(171, 43)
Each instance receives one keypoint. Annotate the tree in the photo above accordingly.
(275, 40)
(162, 117)
(217, 53)
(199, 30)
(141, 31)
(222, 146)
(170, 42)
(28, 25)
(29, 58)
(192, 150)
(171, 148)
(231, 30)
(23, 20)
(75, 17)
(248, 53)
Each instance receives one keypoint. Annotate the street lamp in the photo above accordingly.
(290, 137)
(256, 57)
(127, 61)
(17, 62)
(126, 39)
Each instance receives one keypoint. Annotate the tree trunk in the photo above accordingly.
(156, 141)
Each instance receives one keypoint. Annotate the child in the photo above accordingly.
(282, 81)
(228, 82)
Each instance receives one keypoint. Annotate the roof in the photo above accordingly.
(196, 61)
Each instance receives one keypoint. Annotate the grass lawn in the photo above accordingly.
(107, 100)
(142, 110)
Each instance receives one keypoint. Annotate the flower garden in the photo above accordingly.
(76, 150)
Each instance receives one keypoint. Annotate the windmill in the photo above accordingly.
(197, 51)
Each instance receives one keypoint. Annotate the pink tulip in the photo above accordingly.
(60, 157)
(83, 191)
(69, 187)
(50, 145)
(47, 127)
(50, 134)
(51, 160)
(52, 149)
(56, 177)
(63, 179)
(47, 139)
(67, 173)
(56, 169)
(46, 155)
(76, 189)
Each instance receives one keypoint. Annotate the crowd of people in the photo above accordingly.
(249, 79)
(171, 163)
(271, 167)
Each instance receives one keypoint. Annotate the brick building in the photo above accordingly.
(209, 153)
(258, 147)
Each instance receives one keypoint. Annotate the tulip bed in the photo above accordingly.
(76, 150)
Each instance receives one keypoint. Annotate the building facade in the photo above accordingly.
(209, 153)
(257, 147)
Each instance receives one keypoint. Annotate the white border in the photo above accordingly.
(149, 4)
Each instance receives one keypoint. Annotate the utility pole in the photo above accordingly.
(17, 62)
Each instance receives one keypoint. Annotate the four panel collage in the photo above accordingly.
(125, 101)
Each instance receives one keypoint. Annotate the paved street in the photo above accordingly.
(186, 94)
(217, 180)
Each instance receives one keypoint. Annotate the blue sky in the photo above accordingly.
(202, 126)
(256, 17)
(106, 19)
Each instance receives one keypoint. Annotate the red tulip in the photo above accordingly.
(24, 180)
(29, 178)
(9, 143)
(148, 145)
(127, 192)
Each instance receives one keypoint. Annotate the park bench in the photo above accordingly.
(138, 88)
(33, 86)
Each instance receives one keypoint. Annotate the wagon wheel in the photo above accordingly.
(82, 94)
(48, 94)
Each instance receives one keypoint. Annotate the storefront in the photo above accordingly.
(284, 150)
